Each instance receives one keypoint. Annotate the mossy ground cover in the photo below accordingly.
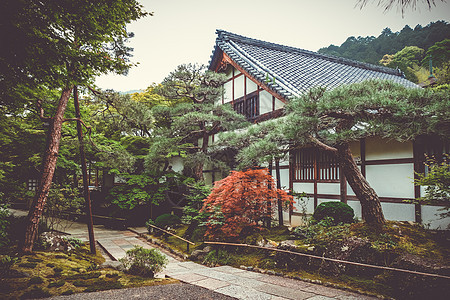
(382, 246)
(45, 274)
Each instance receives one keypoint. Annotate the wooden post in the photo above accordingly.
(280, 208)
(85, 175)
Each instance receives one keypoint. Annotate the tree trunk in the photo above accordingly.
(279, 204)
(370, 203)
(87, 197)
(48, 170)
(198, 169)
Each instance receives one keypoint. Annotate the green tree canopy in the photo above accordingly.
(56, 45)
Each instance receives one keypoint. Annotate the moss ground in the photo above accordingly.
(45, 274)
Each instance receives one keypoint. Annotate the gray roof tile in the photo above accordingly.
(296, 70)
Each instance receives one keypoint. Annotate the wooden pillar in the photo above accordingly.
(316, 174)
(362, 150)
(343, 185)
(418, 167)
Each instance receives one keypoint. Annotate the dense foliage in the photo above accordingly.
(437, 183)
(243, 200)
(339, 212)
(371, 49)
(144, 262)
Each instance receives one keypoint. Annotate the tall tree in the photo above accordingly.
(59, 44)
(408, 60)
(189, 125)
(330, 120)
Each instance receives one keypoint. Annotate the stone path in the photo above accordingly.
(238, 283)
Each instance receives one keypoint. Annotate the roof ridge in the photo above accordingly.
(232, 36)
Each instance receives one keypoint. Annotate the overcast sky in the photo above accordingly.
(183, 31)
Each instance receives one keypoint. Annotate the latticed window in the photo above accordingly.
(248, 107)
(312, 164)
(32, 184)
(434, 148)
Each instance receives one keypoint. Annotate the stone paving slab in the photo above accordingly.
(284, 292)
(189, 277)
(241, 292)
(246, 282)
(321, 298)
(286, 282)
(212, 284)
(228, 269)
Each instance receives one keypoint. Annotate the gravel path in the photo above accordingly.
(169, 291)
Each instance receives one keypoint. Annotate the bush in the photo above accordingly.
(166, 220)
(4, 224)
(338, 211)
(144, 262)
(6, 263)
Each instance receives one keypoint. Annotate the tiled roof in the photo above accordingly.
(292, 71)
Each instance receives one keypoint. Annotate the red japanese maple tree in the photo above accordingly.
(243, 199)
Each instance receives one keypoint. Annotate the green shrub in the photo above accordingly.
(217, 258)
(6, 263)
(167, 220)
(144, 262)
(338, 211)
(4, 224)
(150, 228)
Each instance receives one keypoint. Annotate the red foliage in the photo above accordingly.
(243, 199)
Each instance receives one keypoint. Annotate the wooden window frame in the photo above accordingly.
(248, 106)
(315, 165)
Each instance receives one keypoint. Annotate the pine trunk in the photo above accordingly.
(370, 203)
(198, 169)
(48, 170)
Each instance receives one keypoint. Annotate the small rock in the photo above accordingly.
(287, 245)
(117, 265)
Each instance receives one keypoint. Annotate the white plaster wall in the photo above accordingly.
(392, 180)
(284, 174)
(265, 102)
(303, 187)
(356, 208)
(239, 87)
(350, 191)
(208, 178)
(251, 86)
(278, 104)
(431, 217)
(304, 204)
(328, 188)
(356, 150)
(297, 221)
(321, 200)
(398, 211)
(177, 164)
(228, 95)
(377, 148)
